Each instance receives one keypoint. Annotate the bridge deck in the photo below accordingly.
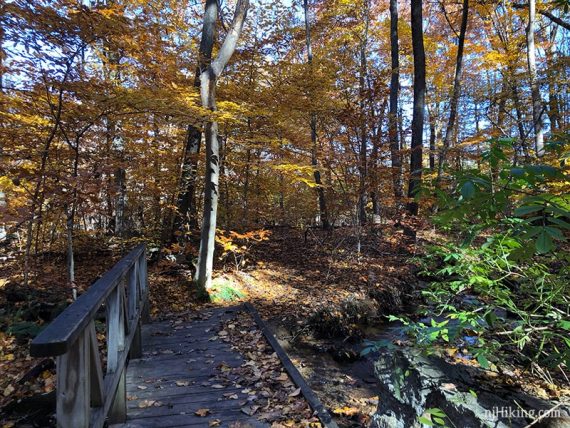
(180, 374)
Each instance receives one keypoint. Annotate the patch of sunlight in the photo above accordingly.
(225, 290)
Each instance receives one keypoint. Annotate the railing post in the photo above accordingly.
(116, 345)
(143, 278)
(118, 413)
(73, 385)
(134, 305)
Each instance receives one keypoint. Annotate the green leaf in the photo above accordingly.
(544, 243)
(519, 212)
(564, 325)
(483, 361)
(468, 190)
(559, 223)
(555, 233)
(435, 411)
(425, 421)
(439, 421)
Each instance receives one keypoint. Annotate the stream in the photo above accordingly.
(392, 388)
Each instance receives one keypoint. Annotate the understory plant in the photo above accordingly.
(500, 287)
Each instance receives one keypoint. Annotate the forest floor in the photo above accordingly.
(321, 296)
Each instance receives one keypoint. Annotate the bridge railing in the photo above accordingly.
(88, 395)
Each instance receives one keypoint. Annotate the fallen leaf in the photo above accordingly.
(295, 393)
(214, 423)
(202, 412)
(282, 377)
(143, 404)
(250, 410)
(182, 383)
(8, 390)
(345, 411)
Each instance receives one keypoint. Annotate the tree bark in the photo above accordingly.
(186, 217)
(374, 161)
(535, 90)
(419, 105)
(363, 167)
(208, 80)
(324, 217)
(455, 93)
(395, 153)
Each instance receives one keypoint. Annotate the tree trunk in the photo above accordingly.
(535, 90)
(314, 157)
(208, 80)
(432, 139)
(419, 105)
(363, 167)
(186, 217)
(120, 201)
(395, 153)
(246, 187)
(552, 72)
(455, 93)
(374, 182)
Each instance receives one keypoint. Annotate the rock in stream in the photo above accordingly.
(411, 383)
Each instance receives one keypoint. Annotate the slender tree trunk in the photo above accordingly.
(324, 217)
(395, 153)
(246, 186)
(419, 105)
(121, 198)
(535, 90)
(208, 80)
(186, 216)
(363, 167)
(433, 137)
(374, 194)
(553, 96)
(455, 93)
(518, 113)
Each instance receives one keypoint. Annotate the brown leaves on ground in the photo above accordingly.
(272, 396)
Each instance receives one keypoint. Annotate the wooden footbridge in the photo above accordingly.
(150, 374)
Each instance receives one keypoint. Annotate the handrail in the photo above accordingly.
(85, 396)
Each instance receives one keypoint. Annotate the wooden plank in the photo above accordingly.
(60, 334)
(323, 414)
(194, 393)
(226, 418)
(73, 406)
(182, 405)
(96, 372)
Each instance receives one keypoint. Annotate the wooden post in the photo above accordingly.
(118, 413)
(115, 346)
(133, 292)
(136, 345)
(143, 278)
(96, 373)
(73, 389)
